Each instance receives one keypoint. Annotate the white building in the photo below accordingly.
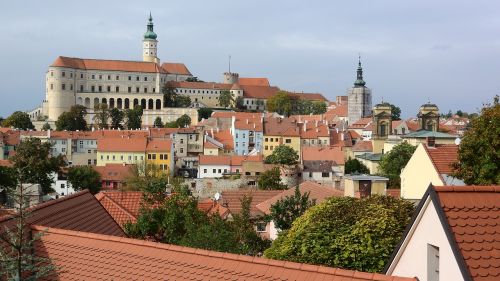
(213, 166)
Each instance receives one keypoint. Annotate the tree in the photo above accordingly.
(34, 163)
(280, 103)
(158, 123)
(394, 161)
(72, 120)
(239, 103)
(460, 113)
(20, 120)
(479, 149)
(286, 210)
(354, 166)
(133, 118)
(182, 101)
(362, 238)
(226, 98)
(142, 175)
(271, 180)
(46, 127)
(395, 112)
(193, 79)
(318, 107)
(17, 258)
(116, 116)
(101, 115)
(84, 177)
(8, 178)
(183, 121)
(283, 155)
(204, 113)
(169, 94)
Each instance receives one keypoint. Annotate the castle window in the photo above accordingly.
(117, 89)
(63, 86)
(145, 90)
(109, 88)
(137, 78)
(117, 77)
(145, 78)
(52, 73)
(52, 86)
(100, 77)
(81, 75)
(130, 78)
(137, 90)
(81, 88)
(92, 89)
(109, 77)
(93, 76)
(71, 87)
(129, 89)
(100, 89)
(71, 74)
(154, 90)
(63, 74)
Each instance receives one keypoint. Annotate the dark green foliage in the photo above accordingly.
(479, 150)
(204, 113)
(84, 177)
(395, 112)
(158, 123)
(116, 116)
(182, 101)
(101, 115)
(72, 120)
(19, 120)
(193, 79)
(226, 99)
(283, 155)
(34, 163)
(8, 178)
(172, 99)
(133, 118)
(181, 122)
(46, 127)
(280, 103)
(354, 166)
(306, 107)
(394, 161)
(239, 103)
(345, 232)
(270, 180)
(285, 211)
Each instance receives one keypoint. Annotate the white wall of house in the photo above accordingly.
(212, 171)
(412, 258)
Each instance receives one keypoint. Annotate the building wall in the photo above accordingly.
(212, 171)
(359, 104)
(372, 165)
(411, 261)
(165, 164)
(417, 141)
(418, 174)
(351, 187)
(104, 158)
(271, 142)
(210, 151)
(242, 141)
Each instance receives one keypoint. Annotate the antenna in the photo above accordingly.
(229, 63)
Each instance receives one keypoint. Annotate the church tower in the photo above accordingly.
(382, 126)
(428, 117)
(359, 98)
(150, 44)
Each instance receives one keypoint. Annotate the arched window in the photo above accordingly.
(119, 103)
(111, 102)
(150, 104)
(143, 103)
(158, 104)
(126, 104)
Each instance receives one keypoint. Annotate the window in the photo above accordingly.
(114, 158)
(154, 90)
(325, 174)
(89, 151)
(109, 88)
(100, 89)
(161, 156)
(102, 157)
(247, 173)
(236, 135)
(288, 141)
(129, 89)
(51, 73)
(266, 147)
(220, 171)
(257, 173)
(142, 157)
(121, 157)
(182, 150)
(89, 162)
(117, 77)
(145, 89)
(93, 76)
(182, 141)
(107, 157)
(63, 87)
(117, 89)
(100, 77)
(310, 174)
(137, 78)
(95, 161)
(81, 88)
(432, 263)
(130, 78)
(81, 75)
(236, 144)
(52, 86)
(145, 78)
(261, 226)
(137, 89)
(214, 171)
(63, 74)
(237, 170)
(129, 157)
(92, 88)
(205, 171)
(63, 149)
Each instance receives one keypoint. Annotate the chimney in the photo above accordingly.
(247, 121)
(217, 129)
(254, 126)
(212, 132)
(316, 123)
(305, 125)
(342, 136)
(337, 129)
(431, 141)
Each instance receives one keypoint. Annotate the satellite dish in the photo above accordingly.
(457, 141)
(217, 196)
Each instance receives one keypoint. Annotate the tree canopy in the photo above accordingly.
(20, 120)
(479, 149)
(354, 166)
(361, 239)
(204, 113)
(226, 98)
(117, 117)
(158, 123)
(394, 161)
(101, 115)
(72, 120)
(285, 211)
(181, 122)
(271, 180)
(172, 99)
(133, 118)
(84, 177)
(280, 103)
(283, 155)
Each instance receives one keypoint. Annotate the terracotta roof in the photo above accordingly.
(212, 207)
(313, 153)
(314, 130)
(363, 146)
(252, 123)
(258, 92)
(340, 138)
(316, 191)
(122, 145)
(162, 133)
(354, 135)
(473, 215)
(254, 81)
(361, 123)
(114, 172)
(110, 65)
(443, 156)
(11, 137)
(6, 163)
(158, 145)
(122, 206)
(208, 144)
(201, 85)
(224, 137)
(175, 68)
(338, 110)
(281, 127)
(396, 193)
(412, 125)
(231, 199)
(324, 118)
(237, 160)
(79, 211)
(87, 256)
(396, 123)
(308, 96)
(214, 160)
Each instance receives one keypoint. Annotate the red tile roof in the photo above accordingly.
(259, 92)
(361, 123)
(354, 135)
(308, 96)
(114, 172)
(214, 160)
(316, 191)
(314, 130)
(79, 211)
(110, 65)
(159, 145)
(338, 110)
(201, 85)
(443, 156)
(281, 127)
(473, 215)
(251, 123)
(412, 125)
(231, 199)
(175, 68)
(87, 256)
(6, 163)
(363, 146)
(254, 81)
(208, 145)
(313, 153)
(224, 137)
(122, 206)
(122, 145)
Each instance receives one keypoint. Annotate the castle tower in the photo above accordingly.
(231, 78)
(428, 117)
(382, 126)
(359, 98)
(150, 44)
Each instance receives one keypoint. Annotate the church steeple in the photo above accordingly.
(150, 34)
(359, 79)
(150, 44)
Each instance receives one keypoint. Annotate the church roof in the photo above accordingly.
(109, 65)
(175, 68)
(254, 81)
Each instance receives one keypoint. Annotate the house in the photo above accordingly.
(370, 160)
(422, 136)
(454, 235)
(161, 154)
(188, 144)
(314, 134)
(121, 150)
(363, 127)
(364, 185)
(324, 165)
(280, 131)
(247, 133)
(114, 176)
(213, 166)
(317, 192)
(429, 164)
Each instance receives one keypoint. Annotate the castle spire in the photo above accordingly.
(359, 79)
(150, 34)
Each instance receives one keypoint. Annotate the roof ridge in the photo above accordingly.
(118, 205)
(468, 188)
(207, 253)
(138, 61)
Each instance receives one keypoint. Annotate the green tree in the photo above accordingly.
(158, 123)
(182, 101)
(354, 166)
(169, 94)
(46, 127)
(133, 118)
(17, 259)
(283, 155)
(285, 211)
(8, 178)
(394, 161)
(362, 238)
(479, 149)
(183, 121)
(226, 98)
(72, 120)
(318, 107)
(84, 177)
(460, 113)
(20, 120)
(280, 103)
(395, 112)
(270, 180)
(204, 113)
(193, 79)
(117, 117)
(101, 115)
(239, 103)
(34, 163)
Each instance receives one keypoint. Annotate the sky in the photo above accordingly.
(445, 52)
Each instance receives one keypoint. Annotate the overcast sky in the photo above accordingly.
(445, 51)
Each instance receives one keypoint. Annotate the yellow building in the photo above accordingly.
(121, 151)
(280, 131)
(364, 185)
(160, 153)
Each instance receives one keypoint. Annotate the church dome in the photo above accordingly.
(428, 106)
(150, 35)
